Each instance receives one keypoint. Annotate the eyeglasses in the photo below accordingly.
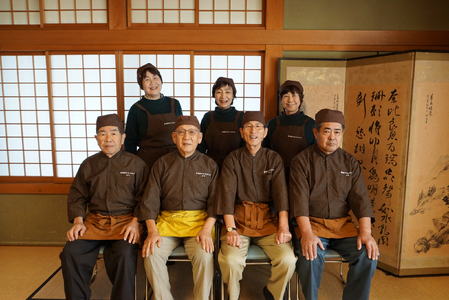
(190, 132)
(257, 127)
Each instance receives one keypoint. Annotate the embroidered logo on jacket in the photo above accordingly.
(203, 174)
(346, 173)
(127, 173)
(294, 137)
(228, 131)
(169, 123)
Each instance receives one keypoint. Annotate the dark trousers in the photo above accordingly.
(361, 268)
(78, 259)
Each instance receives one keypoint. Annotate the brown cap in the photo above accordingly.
(140, 73)
(110, 120)
(253, 116)
(329, 116)
(289, 83)
(187, 120)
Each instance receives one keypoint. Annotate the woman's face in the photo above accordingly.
(291, 103)
(224, 96)
(152, 86)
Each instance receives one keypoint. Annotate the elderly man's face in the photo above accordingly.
(187, 137)
(110, 140)
(329, 137)
(253, 132)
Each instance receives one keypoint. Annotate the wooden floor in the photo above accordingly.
(24, 269)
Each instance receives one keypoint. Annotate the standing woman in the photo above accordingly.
(220, 128)
(151, 120)
(292, 131)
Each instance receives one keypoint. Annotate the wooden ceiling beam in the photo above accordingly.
(208, 39)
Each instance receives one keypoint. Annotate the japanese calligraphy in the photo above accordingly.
(429, 107)
(376, 149)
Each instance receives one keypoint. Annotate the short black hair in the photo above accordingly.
(153, 70)
(221, 83)
(292, 89)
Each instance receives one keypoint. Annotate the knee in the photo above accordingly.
(203, 257)
(363, 257)
(287, 259)
(122, 253)
(367, 262)
(63, 256)
(70, 249)
(129, 251)
(64, 253)
(306, 265)
(154, 259)
(232, 260)
(291, 258)
(286, 265)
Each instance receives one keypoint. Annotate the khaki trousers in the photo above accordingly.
(202, 268)
(232, 261)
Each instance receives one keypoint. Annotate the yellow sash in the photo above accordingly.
(180, 223)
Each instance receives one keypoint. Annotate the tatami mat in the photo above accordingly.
(24, 269)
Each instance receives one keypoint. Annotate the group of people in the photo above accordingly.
(286, 186)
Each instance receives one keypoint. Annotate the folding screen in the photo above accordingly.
(425, 246)
(377, 110)
(395, 106)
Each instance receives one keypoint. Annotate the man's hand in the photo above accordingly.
(78, 229)
(308, 239)
(233, 239)
(207, 242)
(370, 243)
(366, 238)
(131, 231)
(283, 236)
(309, 242)
(153, 239)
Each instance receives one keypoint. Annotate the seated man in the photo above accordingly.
(178, 208)
(109, 185)
(251, 190)
(325, 184)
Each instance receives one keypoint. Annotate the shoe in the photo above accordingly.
(267, 294)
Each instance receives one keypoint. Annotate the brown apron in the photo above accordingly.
(158, 140)
(100, 227)
(221, 138)
(254, 219)
(331, 228)
(288, 140)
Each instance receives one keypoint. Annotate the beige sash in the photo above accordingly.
(181, 223)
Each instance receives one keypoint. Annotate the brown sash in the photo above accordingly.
(331, 228)
(101, 227)
(255, 219)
